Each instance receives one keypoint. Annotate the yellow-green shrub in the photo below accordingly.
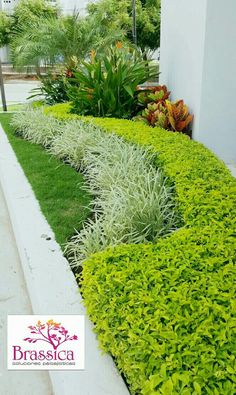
(166, 312)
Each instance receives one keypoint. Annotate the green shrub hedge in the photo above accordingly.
(166, 312)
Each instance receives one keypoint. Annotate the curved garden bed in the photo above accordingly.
(166, 311)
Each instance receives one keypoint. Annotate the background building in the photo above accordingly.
(7, 5)
(198, 62)
(67, 6)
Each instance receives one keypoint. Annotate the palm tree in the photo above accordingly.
(59, 40)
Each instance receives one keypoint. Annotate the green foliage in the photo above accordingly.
(50, 40)
(153, 94)
(5, 28)
(26, 13)
(71, 145)
(34, 126)
(107, 86)
(57, 187)
(31, 10)
(202, 181)
(53, 88)
(161, 112)
(166, 311)
(133, 202)
(118, 14)
(33, 22)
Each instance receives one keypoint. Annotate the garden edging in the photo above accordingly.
(37, 247)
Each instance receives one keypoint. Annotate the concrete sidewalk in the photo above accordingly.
(14, 300)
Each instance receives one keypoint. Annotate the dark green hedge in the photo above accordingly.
(166, 312)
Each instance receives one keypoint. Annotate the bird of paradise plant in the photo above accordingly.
(107, 84)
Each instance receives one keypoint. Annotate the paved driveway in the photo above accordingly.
(18, 91)
(14, 299)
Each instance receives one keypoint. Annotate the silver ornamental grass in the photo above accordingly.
(35, 126)
(132, 200)
(132, 204)
(72, 144)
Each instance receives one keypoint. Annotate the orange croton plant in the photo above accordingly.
(162, 112)
(178, 115)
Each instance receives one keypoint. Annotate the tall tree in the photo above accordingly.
(30, 10)
(65, 40)
(119, 15)
(5, 28)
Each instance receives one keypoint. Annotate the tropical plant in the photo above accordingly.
(161, 112)
(155, 114)
(132, 203)
(107, 85)
(53, 88)
(152, 94)
(167, 115)
(50, 40)
(178, 115)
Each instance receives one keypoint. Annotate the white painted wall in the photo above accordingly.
(8, 5)
(67, 6)
(198, 63)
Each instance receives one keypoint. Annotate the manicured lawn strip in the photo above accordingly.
(56, 185)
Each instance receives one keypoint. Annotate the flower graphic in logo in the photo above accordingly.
(51, 332)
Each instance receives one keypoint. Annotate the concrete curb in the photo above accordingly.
(232, 168)
(51, 285)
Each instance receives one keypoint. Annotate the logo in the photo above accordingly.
(49, 343)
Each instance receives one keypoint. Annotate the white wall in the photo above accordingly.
(67, 6)
(218, 106)
(8, 5)
(198, 63)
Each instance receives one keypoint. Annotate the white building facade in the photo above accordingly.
(198, 63)
(67, 6)
(7, 5)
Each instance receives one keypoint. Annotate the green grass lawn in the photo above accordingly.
(14, 107)
(56, 185)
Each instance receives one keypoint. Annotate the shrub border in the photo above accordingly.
(206, 197)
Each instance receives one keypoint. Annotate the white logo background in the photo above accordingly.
(18, 330)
